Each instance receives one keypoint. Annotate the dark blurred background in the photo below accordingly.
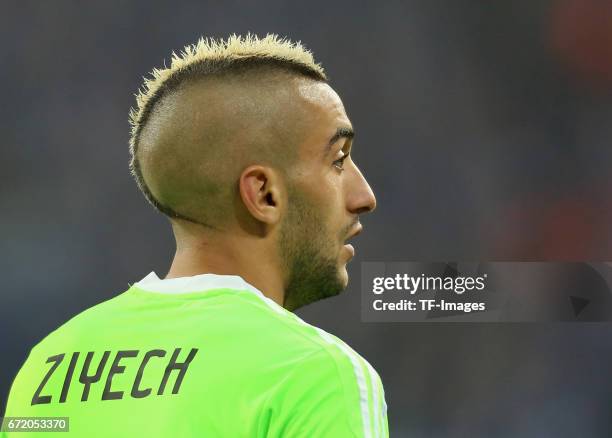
(483, 127)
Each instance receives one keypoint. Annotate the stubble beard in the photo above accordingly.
(309, 255)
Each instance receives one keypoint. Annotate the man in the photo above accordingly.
(246, 148)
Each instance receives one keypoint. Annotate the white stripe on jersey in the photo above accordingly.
(377, 416)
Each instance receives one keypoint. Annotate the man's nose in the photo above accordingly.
(361, 197)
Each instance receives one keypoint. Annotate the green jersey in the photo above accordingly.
(207, 355)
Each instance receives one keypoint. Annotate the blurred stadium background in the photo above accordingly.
(483, 127)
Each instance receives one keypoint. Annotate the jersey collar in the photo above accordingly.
(196, 283)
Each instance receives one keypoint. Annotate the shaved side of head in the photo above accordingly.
(201, 136)
(199, 127)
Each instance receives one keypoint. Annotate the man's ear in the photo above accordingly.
(261, 191)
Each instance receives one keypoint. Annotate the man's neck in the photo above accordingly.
(249, 262)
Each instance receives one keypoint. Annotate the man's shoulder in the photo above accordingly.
(330, 387)
(327, 350)
(69, 329)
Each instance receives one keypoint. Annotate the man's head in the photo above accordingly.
(244, 138)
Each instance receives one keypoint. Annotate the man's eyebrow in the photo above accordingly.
(340, 133)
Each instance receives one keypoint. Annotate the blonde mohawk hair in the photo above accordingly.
(214, 57)
(210, 50)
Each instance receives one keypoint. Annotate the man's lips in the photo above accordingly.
(357, 230)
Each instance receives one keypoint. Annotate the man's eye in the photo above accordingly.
(339, 163)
